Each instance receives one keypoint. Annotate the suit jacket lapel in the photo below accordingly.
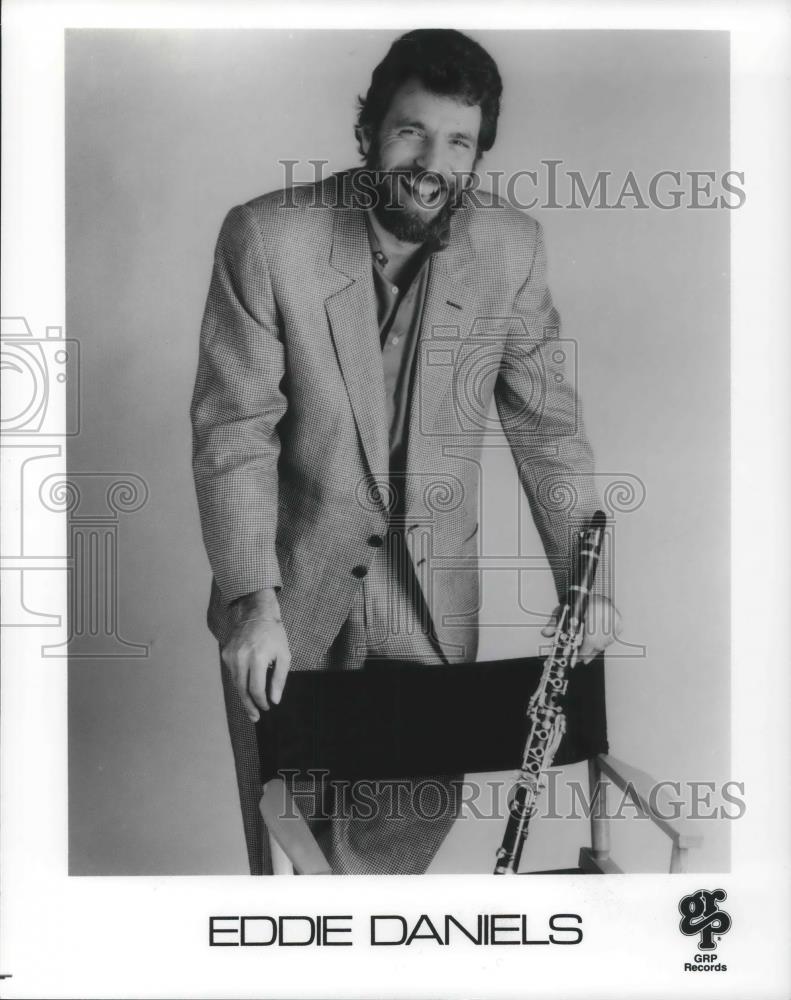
(355, 332)
(448, 316)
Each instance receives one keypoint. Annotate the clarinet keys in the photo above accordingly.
(545, 708)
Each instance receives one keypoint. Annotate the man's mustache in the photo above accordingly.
(428, 187)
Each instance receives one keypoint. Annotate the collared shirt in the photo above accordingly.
(399, 312)
(393, 621)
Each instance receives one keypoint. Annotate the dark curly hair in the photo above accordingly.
(446, 62)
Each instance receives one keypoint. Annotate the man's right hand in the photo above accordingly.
(258, 641)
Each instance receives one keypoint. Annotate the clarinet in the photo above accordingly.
(545, 708)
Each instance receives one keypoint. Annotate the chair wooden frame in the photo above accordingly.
(294, 849)
(650, 799)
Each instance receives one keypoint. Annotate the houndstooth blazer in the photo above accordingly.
(290, 436)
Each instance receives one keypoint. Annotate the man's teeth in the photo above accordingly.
(427, 190)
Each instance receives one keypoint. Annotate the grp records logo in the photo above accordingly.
(702, 917)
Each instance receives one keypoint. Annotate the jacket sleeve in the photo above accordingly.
(536, 397)
(237, 404)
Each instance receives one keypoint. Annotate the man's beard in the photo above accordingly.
(405, 223)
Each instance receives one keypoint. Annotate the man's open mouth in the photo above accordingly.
(428, 190)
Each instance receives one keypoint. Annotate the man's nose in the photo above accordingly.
(429, 157)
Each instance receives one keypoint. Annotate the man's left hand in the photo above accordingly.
(602, 626)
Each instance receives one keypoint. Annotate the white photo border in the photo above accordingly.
(148, 936)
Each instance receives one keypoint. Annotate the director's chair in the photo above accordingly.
(408, 720)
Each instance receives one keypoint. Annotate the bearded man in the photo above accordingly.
(335, 443)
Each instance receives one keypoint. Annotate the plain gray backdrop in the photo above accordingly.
(165, 131)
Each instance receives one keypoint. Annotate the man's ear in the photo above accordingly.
(364, 138)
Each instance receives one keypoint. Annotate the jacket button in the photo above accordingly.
(376, 541)
(359, 572)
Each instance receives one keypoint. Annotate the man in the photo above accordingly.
(354, 334)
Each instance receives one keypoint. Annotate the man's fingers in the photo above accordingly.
(603, 627)
(606, 623)
(607, 628)
(256, 683)
(255, 645)
(249, 706)
(549, 629)
(240, 671)
(591, 648)
(279, 675)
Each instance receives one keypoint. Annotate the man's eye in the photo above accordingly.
(463, 143)
(409, 131)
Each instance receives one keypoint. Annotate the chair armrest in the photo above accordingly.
(654, 801)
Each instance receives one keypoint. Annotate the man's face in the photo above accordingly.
(427, 145)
